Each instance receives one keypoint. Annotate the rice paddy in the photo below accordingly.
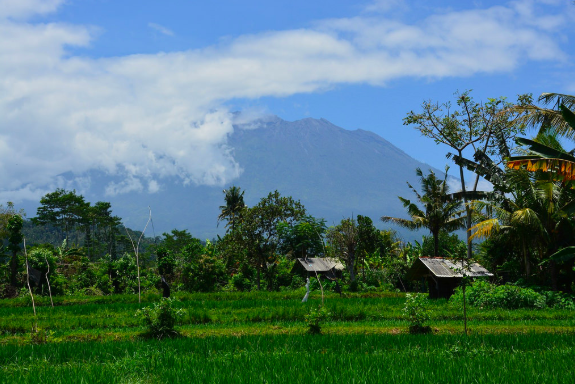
(261, 337)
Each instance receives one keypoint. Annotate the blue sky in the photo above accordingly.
(145, 89)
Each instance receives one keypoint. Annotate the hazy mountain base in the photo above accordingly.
(334, 172)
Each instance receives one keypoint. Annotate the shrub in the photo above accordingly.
(315, 317)
(484, 294)
(40, 336)
(559, 300)
(205, 275)
(416, 312)
(241, 282)
(160, 319)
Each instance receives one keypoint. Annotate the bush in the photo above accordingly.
(559, 300)
(241, 282)
(416, 312)
(205, 275)
(315, 317)
(160, 319)
(40, 336)
(484, 294)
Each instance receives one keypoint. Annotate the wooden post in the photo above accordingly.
(28, 280)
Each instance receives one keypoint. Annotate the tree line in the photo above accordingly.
(521, 228)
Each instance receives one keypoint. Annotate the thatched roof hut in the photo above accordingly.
(327, 267)
(444, 275)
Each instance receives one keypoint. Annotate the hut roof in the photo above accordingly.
(319, 264)
(442, 267)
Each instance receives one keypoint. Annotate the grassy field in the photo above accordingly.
(261, 337)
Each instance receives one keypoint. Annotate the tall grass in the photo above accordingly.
(254, 308)
(532, 358)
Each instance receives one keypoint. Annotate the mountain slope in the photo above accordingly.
(334, 172)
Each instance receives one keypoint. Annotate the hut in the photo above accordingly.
(443, 275)
(323, 266)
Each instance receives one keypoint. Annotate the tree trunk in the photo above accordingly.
(553, 265)
(467, 209)
(435, 244)
(258, 275)
(351, 264)
(13, 269)
(526, 261)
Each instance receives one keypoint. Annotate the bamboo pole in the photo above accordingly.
(136, 252)
(48, 281)
(28, 281)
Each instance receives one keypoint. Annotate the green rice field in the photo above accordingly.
(262, 338)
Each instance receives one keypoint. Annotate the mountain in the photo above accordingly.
(335, 173)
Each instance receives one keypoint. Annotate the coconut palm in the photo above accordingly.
(234, 198)
(439, 213)
(537, 212)
(549, 119)
(553, 122)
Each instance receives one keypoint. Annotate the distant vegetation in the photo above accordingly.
(527, 221)
(236, 314)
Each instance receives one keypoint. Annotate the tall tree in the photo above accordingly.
(63, 209)
(232, 211)
(439, 213)
(258, 231)
(302, 239)
(472, 126)
(343, 239)
(14, 229)
(537, 212)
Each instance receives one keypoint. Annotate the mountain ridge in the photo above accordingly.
(334, 172)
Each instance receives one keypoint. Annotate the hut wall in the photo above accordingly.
(442, 288)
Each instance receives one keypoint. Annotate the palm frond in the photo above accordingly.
(484, 229)
(526, 217)
(557, 99)
(401, 222)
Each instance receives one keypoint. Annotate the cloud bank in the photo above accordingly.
(144, 118)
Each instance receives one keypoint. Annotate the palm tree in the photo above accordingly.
(440, 212)
(548, 119)
(537, 211)
(553, 123)
(231, 212)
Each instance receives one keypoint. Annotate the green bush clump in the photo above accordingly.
(315, 317)
(559, 300)
(160, 319)
(487, 295)
(417, 313)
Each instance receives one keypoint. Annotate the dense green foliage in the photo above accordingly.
(527, 221)
(485, 295)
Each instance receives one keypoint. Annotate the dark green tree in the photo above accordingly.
(101, 228)
(175, 241)
(14, 229)
(63, 209)
(259, 228)
(302, 239)
(343, 240)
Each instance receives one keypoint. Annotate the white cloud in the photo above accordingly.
(161, 29)
(147, 117)
(22, 9)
